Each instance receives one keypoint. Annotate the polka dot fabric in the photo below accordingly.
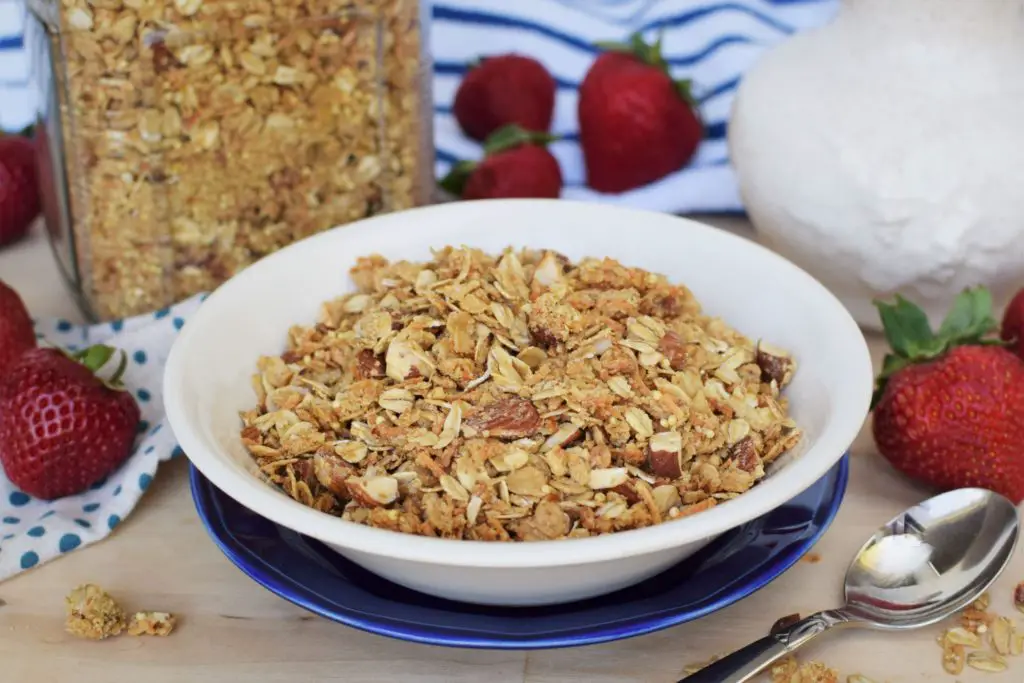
(32, 531)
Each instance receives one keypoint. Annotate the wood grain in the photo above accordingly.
(233, 630)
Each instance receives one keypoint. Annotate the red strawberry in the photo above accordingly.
(19, 191)
(515, 165)
(637, 125)
(1012, 330)
(16, 335)
(949, 408)
(62, 428)
(504, 90)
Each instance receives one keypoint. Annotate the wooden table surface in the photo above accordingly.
(233, 630)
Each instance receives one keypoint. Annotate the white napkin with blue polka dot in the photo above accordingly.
(36, 531)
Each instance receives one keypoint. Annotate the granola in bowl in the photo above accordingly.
(516, 397)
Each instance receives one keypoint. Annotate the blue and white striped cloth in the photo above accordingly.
(710, 41)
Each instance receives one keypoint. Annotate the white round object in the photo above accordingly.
(207, 383)
(883, 152)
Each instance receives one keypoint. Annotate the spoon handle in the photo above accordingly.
(742, 665)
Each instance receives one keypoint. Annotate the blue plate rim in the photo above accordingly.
(288, 590)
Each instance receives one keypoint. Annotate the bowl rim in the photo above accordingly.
(839, 433)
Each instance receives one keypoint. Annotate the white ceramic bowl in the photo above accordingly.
(207, 383)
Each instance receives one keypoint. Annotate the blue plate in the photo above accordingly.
(311, 575)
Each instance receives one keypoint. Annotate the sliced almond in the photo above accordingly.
(454, 489)
(664, 454)
(508, 418)
(373, 491)
(566, 434)
(608, 478)
(473, 509)
(452, 425)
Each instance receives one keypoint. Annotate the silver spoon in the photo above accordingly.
(922, 567)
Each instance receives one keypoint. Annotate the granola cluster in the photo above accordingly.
(94, 615)
(204, 134)
(516, 397)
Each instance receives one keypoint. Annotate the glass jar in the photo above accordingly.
(182, 140)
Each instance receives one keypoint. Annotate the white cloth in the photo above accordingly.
(710, 41)
(35, 531)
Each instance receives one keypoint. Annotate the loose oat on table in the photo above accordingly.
(982, 641)
(516, 397)
(92, 613)
(203, 134)
(790, 670)
(151, 624)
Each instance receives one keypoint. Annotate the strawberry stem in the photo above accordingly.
(912, 340)
(96, 357)
(122, 365)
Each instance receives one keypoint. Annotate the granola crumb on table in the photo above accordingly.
(983, 639)
(790, 670)
(516, 397)
(92, 613)
(202, 135)
(151, 624)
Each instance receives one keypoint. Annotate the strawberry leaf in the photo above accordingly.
(970, 318)
(969, 322)
(684, 87)
(652, 56)
(455, 181)
(907, 329)
(512, 136)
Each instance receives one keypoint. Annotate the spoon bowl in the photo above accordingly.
(933, 560)
(923, 566)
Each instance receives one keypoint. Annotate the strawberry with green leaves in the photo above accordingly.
(63, 426)
(516, 164)
(949, 405)
(637, 124)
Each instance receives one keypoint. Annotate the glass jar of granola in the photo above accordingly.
(181, 140)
